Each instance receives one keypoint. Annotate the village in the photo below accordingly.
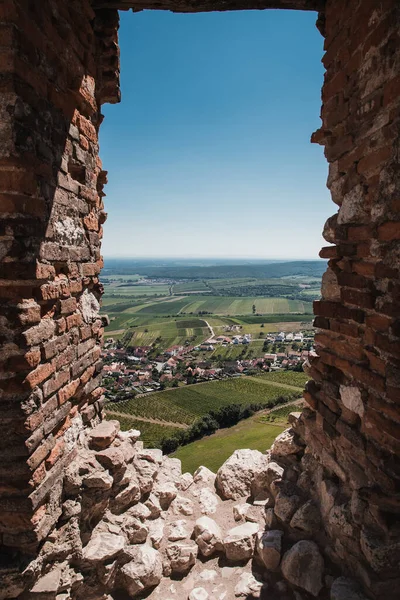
(136, 371)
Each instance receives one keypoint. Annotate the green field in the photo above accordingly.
(213, 450)
(220, 305)
(169, 333)
(184, 405)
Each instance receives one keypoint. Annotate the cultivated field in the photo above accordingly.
(186, 404)
(220, 305)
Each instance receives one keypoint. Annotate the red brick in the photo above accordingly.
(375, 160)
(55, 454)
(389, 231)
(68, 391)
(40, 374)
(54, 384)
(68, 306)
(74, 321)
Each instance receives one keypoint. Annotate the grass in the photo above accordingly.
(212, 451)
(186, 404)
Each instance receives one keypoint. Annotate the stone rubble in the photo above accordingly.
(153, 533)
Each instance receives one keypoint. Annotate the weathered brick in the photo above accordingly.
(40, 374)
(68, 391)
(54, 384)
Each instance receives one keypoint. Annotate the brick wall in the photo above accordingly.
(58, 62)
(354, 425)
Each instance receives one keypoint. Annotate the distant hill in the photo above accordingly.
(312, 268)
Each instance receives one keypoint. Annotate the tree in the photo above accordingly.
(254, 309)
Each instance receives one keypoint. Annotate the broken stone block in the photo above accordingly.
(181, 557)
(103, 546)
(303, 566)
(98, 480)
(286, 504)
(156, 532)
(103, 435)
(111, 459)
(285, 444)
(153, 504)
(185, 481)
(143, 572)
(146, 472)
(127, 495)
(208, 536)
(47, 585)
(166, 492)
(182, 505)
(177, 530)
(269, 546)
(198, 593)
(239, 542)
(351, 398)
(236, 475)
(208, 501)
(205, 476)
(344, 588)
(248, 586)
(134, 529)
(307, 518)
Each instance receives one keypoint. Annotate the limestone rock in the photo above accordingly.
(181, 557)
(177, 530)
(303, 566)
(306, 518)
(131, 435)
(208, 536)
(263, 480)
(269, 546)
(146, 472)
(140, 511)
(98, 480)
(248, 586)
(103, 546)
(156, 532)
(351, 398)
(129, 494)
(198, 593)
(143, 571)
(134, 529)
(236, 475)
(183, 506)
(239, 542)
(166, 493)
(205, 476)
(208, 501)
(111, 458)
(285, 444)
(344, 588)
(286, 503)
(185, 481)
(103, 434)
(47, 585)
(153, 504)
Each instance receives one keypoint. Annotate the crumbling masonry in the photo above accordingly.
(332, 482)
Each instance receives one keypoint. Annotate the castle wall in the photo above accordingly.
(354, 426)
(58, 62)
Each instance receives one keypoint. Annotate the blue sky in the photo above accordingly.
(209, 151)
